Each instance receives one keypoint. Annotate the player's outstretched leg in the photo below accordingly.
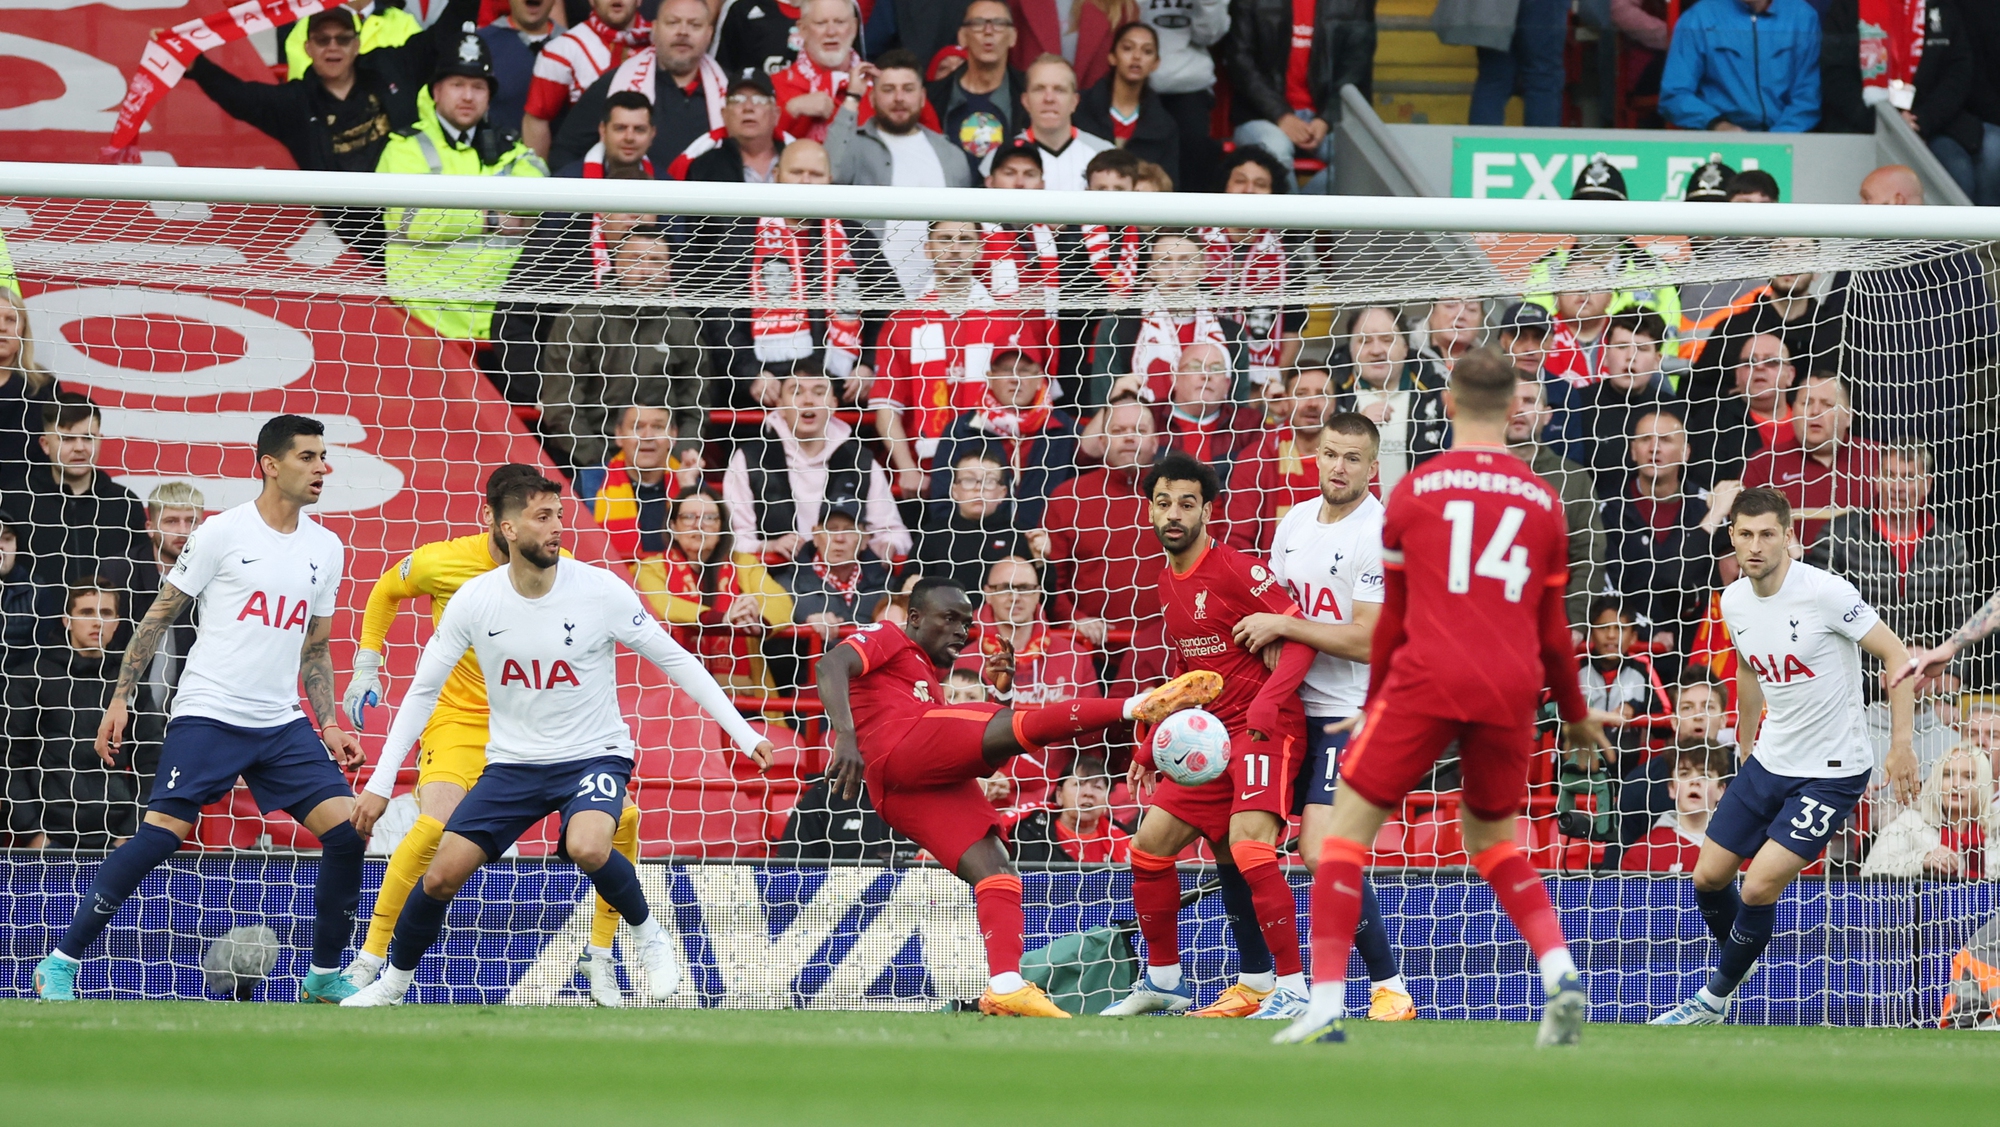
(996, 897)
(1029, 729)
(117, 877)
(599, 963)
(1255, 976)
(421, 920)
(336, 898)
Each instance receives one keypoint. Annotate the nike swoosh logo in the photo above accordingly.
(252, 561)
(494, 633)
(1248, 795)
(1797, 836)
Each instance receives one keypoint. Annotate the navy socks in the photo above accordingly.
(336, 894)
(116, 879)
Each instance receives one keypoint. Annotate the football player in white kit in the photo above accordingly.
(1329, 556)
(1799, 633)
(546, 631)
(265, 579)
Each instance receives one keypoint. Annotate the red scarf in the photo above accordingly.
(1015, 426)
(807, 76)
(1967, 840)
(848, 589)
(780, 325)
(1017, 259)
(1116, 265)
(641, 73)
(725, 652)
(1163, 333)
(593, 169)
(1250, 277)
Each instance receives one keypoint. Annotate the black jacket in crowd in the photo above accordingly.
(1664, 574)
(1958, 91)
(948, 98)
(954, 546)
(56, 784)
(1258, 50)
(323, 133)
(72, 536)
(826, 827)
(1155, 137)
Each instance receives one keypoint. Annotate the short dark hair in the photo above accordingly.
(1179, 465)
(509, 488)
(68, 409)
(1118, 34)
(93, 585)
(1612, 603)
(920, 595)
(1757, 501)
(1754, 181)
(899, 58)
(1262, 158)
(1639, 323)
(1483, 382)
(627, 100)
(1704, 757)
(1353, 423)
(1120, 161)
(275, 439)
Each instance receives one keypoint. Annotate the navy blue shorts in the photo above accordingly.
(1798, 814)
(510, 797)
(287, 767)
(1321, 769)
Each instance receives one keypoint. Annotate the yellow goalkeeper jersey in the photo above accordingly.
(437, 570)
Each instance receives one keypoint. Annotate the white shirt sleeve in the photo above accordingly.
(441, 656)
(200, 557)
(1845, 611)
(1368, 581)
(642, 634)
(326, 597)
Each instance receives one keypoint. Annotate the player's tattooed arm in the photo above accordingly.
(316, 672)
(1931, 662)
(1983, 622)
(145, 643)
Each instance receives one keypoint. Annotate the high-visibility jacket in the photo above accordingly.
(446, 265)
(384, 27)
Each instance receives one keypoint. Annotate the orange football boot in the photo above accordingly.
(1028, 1001)
(1237, 1001)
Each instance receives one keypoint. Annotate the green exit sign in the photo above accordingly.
(1538, 168)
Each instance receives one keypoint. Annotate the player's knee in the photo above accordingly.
(442, 885)
(591, 855)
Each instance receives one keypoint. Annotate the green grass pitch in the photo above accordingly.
(429, 1066)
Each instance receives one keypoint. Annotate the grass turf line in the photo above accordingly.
(215, 1063)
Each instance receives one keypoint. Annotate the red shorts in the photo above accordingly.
(1260, 778)
(1395, 747)
(927, 786)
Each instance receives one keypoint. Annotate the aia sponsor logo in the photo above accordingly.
(531, 676)
(280, 615)
(1771, 671)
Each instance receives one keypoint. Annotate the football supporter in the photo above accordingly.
(1025, 663)
(827, 827)
(1572, 483)
(757, 35)
(1701, 714)
(1122, 106)
(1204, 589)
(1077, 827)
(1659, 549)
(1014, 415)
(1377, 377)
(745, 149)
(17, 599)
(517, 40)
(1673, 845)
(726, 596)
(1422, 696)
(1176, 309)
(1051, 100)
(932, 358)
(1944, 837)
(1817, 463)
(24, 387)
(1276, 471)
(811, 89)
(979, 105)
(978, 528)
(1248, 268)
(605, 356)
(59, 795)
(894, 146)
(628, 494)
(1095, 534)
(1449, 330)
(1752, 410)
(835, 581)
(173, 511)
(1632, 384)
(1203, 420)
(1078, 31)
(1287, 63)
(1615, 679)
(78, 520)
(923, 760)
(571, 63)
(675, 74)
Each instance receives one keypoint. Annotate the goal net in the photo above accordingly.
(770, 425)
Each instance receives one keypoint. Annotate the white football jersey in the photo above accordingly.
(551, 670)
(1802, 645)
(1328, 568)
(256, 593)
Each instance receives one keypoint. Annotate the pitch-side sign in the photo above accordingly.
(1539, 168)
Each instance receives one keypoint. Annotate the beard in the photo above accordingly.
(541, 555)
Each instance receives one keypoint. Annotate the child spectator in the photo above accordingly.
(1617, 679)
(1674, 843)
(964, 687)
(1944, 837)
(1700, 715)
(1078, 827)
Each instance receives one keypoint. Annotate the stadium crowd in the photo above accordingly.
(903, 399)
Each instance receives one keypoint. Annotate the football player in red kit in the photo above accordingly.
(1205, 589)
(1474, 551)
(923, 759)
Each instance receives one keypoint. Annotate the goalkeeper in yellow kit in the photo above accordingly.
(454, 745)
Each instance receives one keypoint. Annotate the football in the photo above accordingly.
(1191, 747)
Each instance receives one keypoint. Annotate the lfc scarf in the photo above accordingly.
(1114, 258)
(593, 169)
(1015, 426)
(1164, 333)
(1253, 279)
(616, 509)
(781, 294)
(167, 58)
(640, 73)
(813, 79)
(724, 652)
(1017, 259)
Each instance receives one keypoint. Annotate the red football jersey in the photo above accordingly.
(1202, 608)
(1481, 544)
(931, 364)
(897, 684)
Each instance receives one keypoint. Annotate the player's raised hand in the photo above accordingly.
(345, 748)
(761, 755)
(111, 731)
(846, 769)
(364, 688)
(1586, 737)
(368, 810)
(1925, 663)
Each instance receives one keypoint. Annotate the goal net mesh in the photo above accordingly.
(999, 382)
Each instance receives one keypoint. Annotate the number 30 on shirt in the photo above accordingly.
(1502, 559)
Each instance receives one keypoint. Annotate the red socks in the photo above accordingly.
(1277, 909)
(1156, 897)
(998, 901)
(1519, 889)
(1336, 907)
(1037, 728)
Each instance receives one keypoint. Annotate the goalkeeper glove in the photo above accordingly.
(364, 688)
